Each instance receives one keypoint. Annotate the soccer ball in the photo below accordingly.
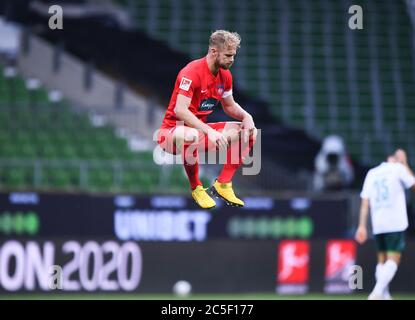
(182, 288)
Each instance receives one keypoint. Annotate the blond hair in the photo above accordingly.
(223, 38)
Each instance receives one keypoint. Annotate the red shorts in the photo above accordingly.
(165, 136)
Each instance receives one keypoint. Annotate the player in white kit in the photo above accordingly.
(384, 193)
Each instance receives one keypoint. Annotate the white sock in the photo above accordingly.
(378, 270)
(379, 267)
(384, 276)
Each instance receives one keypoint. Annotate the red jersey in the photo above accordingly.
(197, 82)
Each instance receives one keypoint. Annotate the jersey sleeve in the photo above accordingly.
(405, 176)
(187, 82)
(365, 194)
(228, 86)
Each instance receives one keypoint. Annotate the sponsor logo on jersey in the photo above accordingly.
(208, 104)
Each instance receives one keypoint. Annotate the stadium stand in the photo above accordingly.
(49, 146)
(307, 64)
(151, 67)
(299, 66)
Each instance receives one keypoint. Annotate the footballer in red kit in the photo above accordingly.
(196, 82)
(201, 87)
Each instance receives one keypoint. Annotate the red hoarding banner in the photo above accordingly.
(340, 256)
(293, 262)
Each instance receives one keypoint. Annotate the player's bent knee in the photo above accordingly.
(254, 135)
(178, 137)
(191, 135)
(233, 126)
(232, 131)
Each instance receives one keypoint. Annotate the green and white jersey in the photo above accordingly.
(384, 186)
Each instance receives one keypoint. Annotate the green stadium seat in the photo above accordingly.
(16, 177)
(100, 179)
(313, 34)
(46, 133)
(58, 178)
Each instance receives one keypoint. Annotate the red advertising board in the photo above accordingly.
(293, 266)
(340, 256)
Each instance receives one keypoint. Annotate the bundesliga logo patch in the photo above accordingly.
(185, 84)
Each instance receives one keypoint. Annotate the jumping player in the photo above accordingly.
(200, 87)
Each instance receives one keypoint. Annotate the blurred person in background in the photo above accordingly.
(384, 193)
(199, 88)
(333, 168)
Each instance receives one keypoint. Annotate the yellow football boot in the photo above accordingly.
(225, 191)
(202, 198)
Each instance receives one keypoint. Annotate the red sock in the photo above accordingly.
(190, 161)
(235, 155)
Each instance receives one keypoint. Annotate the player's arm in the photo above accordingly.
(411, 172)
(234, 110)
(184, 114)
(361, 233)
(400, 155)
